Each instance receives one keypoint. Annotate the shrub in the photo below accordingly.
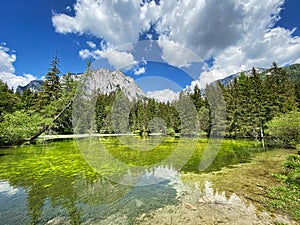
(285, 129)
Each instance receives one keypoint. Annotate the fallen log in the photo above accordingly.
(46, 127)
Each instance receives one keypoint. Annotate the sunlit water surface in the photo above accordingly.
(59, 182)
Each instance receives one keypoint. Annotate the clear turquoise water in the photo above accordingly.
(75, 182)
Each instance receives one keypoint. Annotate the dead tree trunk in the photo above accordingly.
(38, 133)
(46, 127)
(262, 137)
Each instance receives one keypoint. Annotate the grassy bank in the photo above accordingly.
(286, 196)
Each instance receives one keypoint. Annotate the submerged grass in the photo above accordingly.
(58, 172)
(231, 152)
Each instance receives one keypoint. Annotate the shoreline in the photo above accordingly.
(75, 136)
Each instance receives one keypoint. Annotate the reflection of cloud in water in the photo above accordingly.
(13, 207)
(158, 174)
(129, 202)
(6, 189)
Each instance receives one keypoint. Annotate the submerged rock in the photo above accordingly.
(190, 206)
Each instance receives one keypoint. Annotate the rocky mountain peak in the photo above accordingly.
(33, 86)
(105, 82)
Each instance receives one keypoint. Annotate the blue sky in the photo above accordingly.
(231, 36)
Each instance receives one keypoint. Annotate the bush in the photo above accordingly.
(292, 163)
(285, 129)
(170, 131)
(16, 127)
(286, 197)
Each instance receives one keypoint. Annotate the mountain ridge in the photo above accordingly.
(33, 86)
(109, 81)
(103, 80)
(293, 72)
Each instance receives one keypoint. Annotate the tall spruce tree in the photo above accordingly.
(51, 87)
(8, 100)
(197, 98)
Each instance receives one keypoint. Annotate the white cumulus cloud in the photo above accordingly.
(165, 95)
(176, 55)
(6, 59)
(91, 44)
(115, 21)
(237, 34)
(13, 80)
(139, 71)
(117, 59)
(7, 70)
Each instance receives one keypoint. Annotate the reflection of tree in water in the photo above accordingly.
(68, 193)
(97, 200)
(61, 194)
(231, 152)
(61, 185)
(51, 174)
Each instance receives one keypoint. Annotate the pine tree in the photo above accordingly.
(217, 107)
(197, 98)
(28, 100)
(297, 93)
(68, 88)
(8, 100)
(188, 115)
(51, 87)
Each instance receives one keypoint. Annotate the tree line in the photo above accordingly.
(23, 116)
(250, 104)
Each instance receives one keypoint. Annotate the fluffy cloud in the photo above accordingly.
(117, 59)
(297, 61)
(139, 71)
(277, 44)
(176, 55)
(165, 95)
(7, 70)
(115, 21)
(6, 59)
(91, 44)
(237, 34)
(13, 81)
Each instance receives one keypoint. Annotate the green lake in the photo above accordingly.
(109, 180)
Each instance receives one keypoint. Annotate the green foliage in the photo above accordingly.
(285, 199)
(287, 196)
(252, 101)
(51, 87)
(203, 115)
(170, 131)
(197, 98)
(103, 109)
(292, 170)
(115, 113)
(28, 100)
(120, 114)
(18, 126)
(285, 129)
(293, 72)
(8, 100)
(217, 109)
(188, 115)
(297, 93)
(63, 124)
(36, 110)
